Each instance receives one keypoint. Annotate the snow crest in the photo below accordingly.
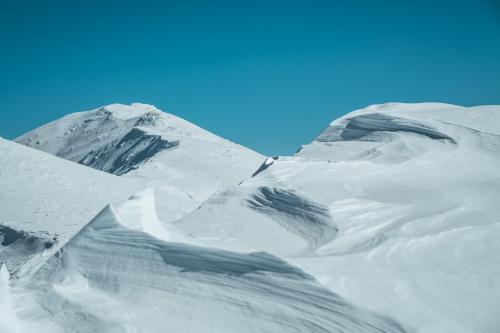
(113, 276)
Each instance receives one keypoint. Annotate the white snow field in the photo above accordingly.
(393, 207)
(45, 200)
(115, 276)
(386, 222)
(184, 163)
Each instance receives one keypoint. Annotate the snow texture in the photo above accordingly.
(309, 220)
(371, 127)
(118, 279)
(412, 191)
(386, 222)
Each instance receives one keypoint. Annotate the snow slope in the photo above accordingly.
(394, 207)
(45, 200)
(184, 163)
(119, 275)
(386, 222)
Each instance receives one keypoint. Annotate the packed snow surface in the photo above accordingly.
(386, 222)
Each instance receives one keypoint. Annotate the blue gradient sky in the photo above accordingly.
(267, 74)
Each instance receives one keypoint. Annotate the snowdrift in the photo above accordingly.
(401, 204)
(386, 222)
(114, 276)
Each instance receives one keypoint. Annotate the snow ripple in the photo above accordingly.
(297, 214)
(129, 276)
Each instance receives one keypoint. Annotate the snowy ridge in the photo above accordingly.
(386, 222)
(118, 279)
(107, 139)
(184, 163)
(365, 127)
(412, 190)
(397, 132)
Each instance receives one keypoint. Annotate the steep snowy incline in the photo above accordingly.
(394, 207)
(45, 200)
(393, 132)
(113, 276)
(185, 163)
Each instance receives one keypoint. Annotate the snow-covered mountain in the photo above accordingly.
(45, 200)
(394, 207)
(386, 222)
(185, 163)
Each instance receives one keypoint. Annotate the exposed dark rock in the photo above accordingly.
(119, 157)
(17, 246)
(266, 164)
(149, 118)
(31, 241)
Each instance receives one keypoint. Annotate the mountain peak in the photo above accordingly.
(401, 108)
(139, 140)
(124, 111)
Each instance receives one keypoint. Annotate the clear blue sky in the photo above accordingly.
(267, 74)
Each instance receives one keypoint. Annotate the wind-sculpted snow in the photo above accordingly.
(194, 259)
(389, 224)
(120, 157)
(369, 127)
(295, 213)
(8, 319)
(413, 192)
(111, 278)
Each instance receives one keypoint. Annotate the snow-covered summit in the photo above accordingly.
(67, 136)
(133, 110)
(395, 132)
(182, 161)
